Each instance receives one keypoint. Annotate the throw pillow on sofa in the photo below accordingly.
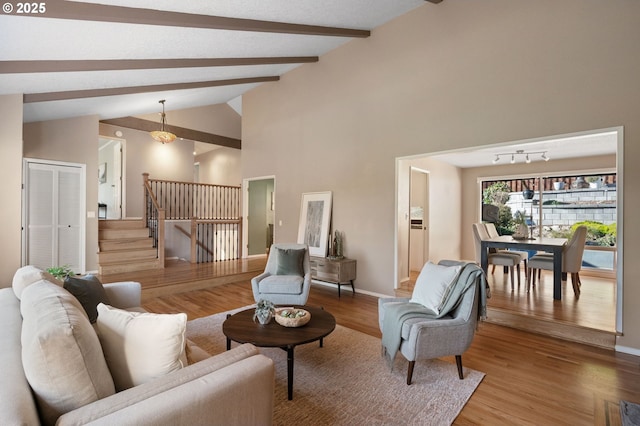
(140, 347)
(61, 353)
(89, 292)
(28, 275)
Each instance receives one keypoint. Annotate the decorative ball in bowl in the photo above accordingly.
(292, 317)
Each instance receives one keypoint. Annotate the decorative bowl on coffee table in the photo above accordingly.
(292, 317)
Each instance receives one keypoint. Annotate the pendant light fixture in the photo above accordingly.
(162, 135)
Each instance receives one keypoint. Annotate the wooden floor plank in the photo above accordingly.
(530, 379)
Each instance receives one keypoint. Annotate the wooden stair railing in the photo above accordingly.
(154, 217)
(214, 212)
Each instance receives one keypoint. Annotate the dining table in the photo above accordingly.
(546, 244)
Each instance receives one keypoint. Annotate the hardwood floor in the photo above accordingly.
(530, 379)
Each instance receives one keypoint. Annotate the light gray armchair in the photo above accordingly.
(452, 334)
(286, 279)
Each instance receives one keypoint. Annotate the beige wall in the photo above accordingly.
(455, 75)
(72, 140)
(444, 211)
(221, 166)
(219, 119)
(10, 189)
(173, 161)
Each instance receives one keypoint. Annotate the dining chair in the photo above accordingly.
(571, 261)
(502, 257)
(524, 255)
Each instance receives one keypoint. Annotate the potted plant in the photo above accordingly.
(527, 193)
(594, 181)
(521, 229)
(265, 310)
(60, 272)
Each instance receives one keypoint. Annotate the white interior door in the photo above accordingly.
(54, 225)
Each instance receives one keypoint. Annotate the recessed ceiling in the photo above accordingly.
(79, 49)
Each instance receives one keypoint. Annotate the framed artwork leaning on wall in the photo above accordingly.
(313, 227)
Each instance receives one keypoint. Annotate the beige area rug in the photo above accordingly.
(347, 382)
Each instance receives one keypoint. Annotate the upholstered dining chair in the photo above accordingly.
(524, 255)
(286, 279)
(571, 260)
(502, 257)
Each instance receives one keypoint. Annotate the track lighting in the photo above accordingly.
(516, 155)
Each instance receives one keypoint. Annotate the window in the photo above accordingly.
(554, 205)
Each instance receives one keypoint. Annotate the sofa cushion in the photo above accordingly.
(290, 261)
(89, 292)
(281, 284)
(433, 285)
(61, 353)
(140, 347)
(17, 406)
(28, 275)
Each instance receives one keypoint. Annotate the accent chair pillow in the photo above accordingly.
(140, 347)
(89, 292)
(434, 284)
(290, 261)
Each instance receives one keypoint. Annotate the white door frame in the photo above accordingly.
(82, 206)
(425, 217)
(121, 193)
(245, 212)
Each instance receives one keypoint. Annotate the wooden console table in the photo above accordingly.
(336, 271)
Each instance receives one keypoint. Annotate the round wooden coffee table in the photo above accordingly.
(241, 328)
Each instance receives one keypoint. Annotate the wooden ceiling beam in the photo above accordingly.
(15, 67)
(132, 15)
(181, 132)
(115, 91)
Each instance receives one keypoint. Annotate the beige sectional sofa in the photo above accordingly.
(54, 371)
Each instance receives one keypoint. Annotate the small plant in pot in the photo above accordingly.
(60, 272)
(521, 230)
(527, 193)
(265, 310)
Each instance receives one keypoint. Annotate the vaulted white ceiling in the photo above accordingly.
(80, 58)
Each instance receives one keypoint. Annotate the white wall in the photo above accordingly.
(455, 75)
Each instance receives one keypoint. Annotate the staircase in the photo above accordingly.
(125, 246)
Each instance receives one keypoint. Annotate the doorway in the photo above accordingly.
(590, 151)
(54, 224)
(419, 219)
(110, 178)
(259, 213)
